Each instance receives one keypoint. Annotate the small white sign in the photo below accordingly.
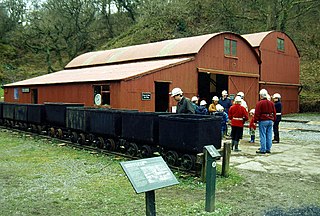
(97, 99)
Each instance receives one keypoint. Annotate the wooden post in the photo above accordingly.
(226, 159)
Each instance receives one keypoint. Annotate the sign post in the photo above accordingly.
(147, 175)
(211, 154)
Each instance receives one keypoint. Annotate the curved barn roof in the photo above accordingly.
(256, 39)
(167, 48)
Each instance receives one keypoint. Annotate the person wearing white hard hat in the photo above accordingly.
(243, 102)
(252, 126)
(226, 103)
(202, 109)
(265, 114)
(212, 107)
(194, 101)
(184, 105)
(238, 116)
(278, 105)
(225, 119)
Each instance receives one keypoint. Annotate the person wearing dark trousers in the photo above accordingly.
(238, 116)
(278, 105)
(265, 114)
(226, 103)
(184, 105)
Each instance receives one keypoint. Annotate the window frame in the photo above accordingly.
(280, 44)
(104, 91)
(230, 47)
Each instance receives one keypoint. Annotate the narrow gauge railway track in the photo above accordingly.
(185, 173)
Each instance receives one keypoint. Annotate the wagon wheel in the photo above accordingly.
(59, 133)
(132, 149)
(51, 132)
(82, 139)
(146, 151)
(39, 129)
(99, 142)
(74, 137)
(110, 145)
(34, 128)
(91, 139)
(188, 161)
(171, 157)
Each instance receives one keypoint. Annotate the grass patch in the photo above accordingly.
(38, 177)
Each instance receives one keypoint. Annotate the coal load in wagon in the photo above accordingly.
(21, 112)
(141, 126)
(189, 133)
(56, 112)
(76, 118)
(9, 111)
(36, 113)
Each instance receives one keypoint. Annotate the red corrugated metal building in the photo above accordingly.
(280, 67)
(141, 77)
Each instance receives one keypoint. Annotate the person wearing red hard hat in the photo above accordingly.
(184, 105)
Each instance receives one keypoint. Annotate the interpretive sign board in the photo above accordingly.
(149, 174)
(212, 151)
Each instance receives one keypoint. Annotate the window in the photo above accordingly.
(230, 47)
(104, 92)
(16, 93)
(280, 43)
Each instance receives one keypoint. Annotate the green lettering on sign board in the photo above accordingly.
(149, 174)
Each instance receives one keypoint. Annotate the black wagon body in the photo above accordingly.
(9, 111)
(104, 121)
(76, 119)
(56, 113)
(1, 110)
(36, 113)
(21, 112)
(142, 127)
(189, 133)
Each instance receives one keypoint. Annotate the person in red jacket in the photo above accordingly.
(265, 114)
(238, 116)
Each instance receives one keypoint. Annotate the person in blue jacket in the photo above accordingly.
(226, 103)
(278, 105)
(225, 119)
(202, 109)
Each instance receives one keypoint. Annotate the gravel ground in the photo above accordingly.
(283, 183)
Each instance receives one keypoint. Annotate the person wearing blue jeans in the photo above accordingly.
(265, 114)
(265, 130)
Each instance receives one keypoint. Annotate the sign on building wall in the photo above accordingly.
(145, 96)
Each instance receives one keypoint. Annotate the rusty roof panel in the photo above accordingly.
(175, 47)
(102, 73)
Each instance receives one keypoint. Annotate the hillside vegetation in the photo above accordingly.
(39, 38)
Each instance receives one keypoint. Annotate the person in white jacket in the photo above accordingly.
(243, 102)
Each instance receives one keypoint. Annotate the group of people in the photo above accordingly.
(266, 113)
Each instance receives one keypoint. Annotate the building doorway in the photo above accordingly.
(210, 85)
(34, 96)
(162, 96)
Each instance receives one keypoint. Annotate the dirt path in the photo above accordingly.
(284, 181)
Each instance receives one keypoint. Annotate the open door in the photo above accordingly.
(210, 85)
(162, 96)
(34, 96)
